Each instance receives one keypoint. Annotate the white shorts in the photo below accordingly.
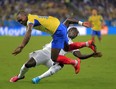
(42, 57)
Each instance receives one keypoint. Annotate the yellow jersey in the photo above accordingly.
(47, 24)
(96, 22)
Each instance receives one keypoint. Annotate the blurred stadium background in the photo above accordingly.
(78, 9)
(96, 73)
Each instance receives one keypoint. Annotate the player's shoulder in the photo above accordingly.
(31, 16)
(31, 19)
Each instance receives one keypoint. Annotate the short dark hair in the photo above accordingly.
(21, 12)
(94, 9)
(74, 29)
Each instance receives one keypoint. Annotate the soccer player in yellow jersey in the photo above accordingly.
(50, 25)
(97, 22)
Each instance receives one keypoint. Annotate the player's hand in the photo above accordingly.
(17, 50)
(97, 54)
(87, 24)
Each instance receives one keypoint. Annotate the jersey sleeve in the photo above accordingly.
(30, 19)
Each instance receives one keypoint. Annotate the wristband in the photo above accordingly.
(80, 23)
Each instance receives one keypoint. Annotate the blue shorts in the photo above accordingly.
(98, 33)
(60, 37)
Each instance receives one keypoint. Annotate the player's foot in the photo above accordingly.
(15, 78)
(36, 80)
(92, 45)
(77, 67)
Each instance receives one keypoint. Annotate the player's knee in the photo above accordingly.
(30, 63)
(66, 47)
(52, 72)
(62, 65)
(54, 59)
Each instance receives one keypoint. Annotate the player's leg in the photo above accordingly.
(23, 70)
(49, 63)
(54, 54)
(99, 36)
(45, 60)
(35, 59)
(93, 35)
(59, 39)
(64, 60)
(99, 39)
(55, 68)
(52, 70)
(78, 45)
(26, 66)
(75, 63)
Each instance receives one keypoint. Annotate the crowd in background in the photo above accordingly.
(79, 9)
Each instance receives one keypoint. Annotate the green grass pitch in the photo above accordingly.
(96, 73)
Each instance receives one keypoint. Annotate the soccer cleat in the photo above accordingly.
(36, 80)
(15, 79)
(92, 45)
(77, 67)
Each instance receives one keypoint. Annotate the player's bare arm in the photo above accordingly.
(69, 21)
(82, 56)
(25, 40)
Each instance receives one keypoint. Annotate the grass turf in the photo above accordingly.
(96, 73)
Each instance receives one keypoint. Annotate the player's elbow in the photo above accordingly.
(69, 19)
(82, 58)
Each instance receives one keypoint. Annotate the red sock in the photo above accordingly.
(64, 60)
(76, 45)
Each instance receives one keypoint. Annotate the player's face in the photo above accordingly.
(72, 33)
(22, 19)
(94, 12)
